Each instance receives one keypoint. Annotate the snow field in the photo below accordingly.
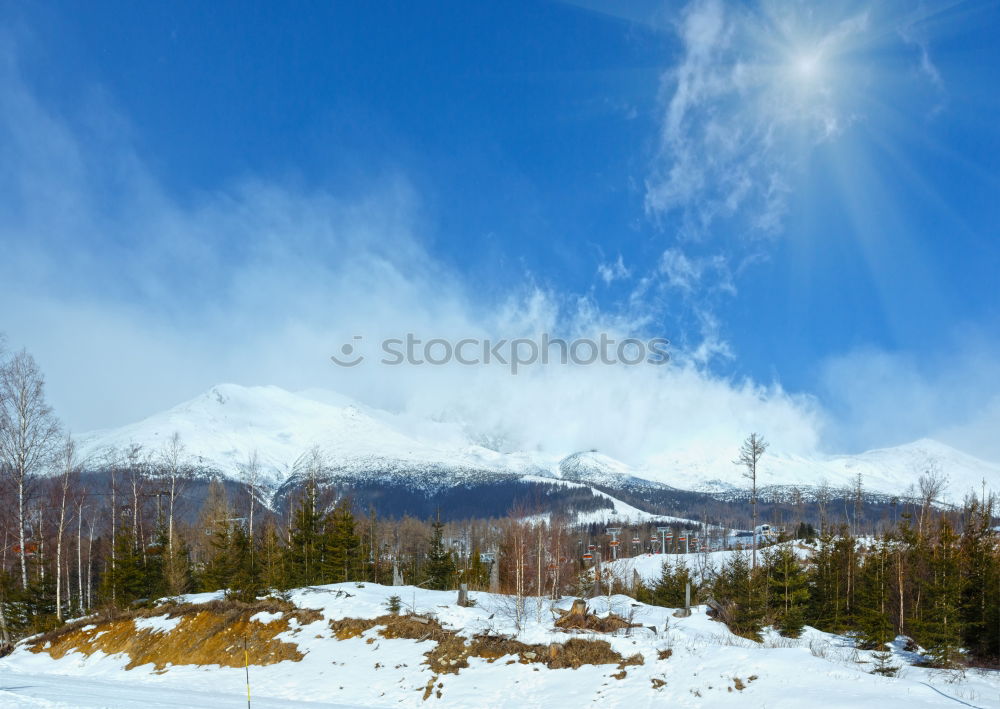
(707, 665)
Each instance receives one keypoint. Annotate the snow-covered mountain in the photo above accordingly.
(221, 427)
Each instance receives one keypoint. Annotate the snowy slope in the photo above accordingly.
(221, 427)
(706, 665)
(890, 471)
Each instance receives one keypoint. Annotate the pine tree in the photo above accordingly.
(980, 568)
(177, 574)
(822, 582)
(789, 590)
(873, 598)
(271, 559)
(873, 603)
(806, 532)
(244, 582)
(440, 567)
(305, 551)
(214, 521)
(477, 576)
(125, 581)
(940, 629)
(217, 572)
(341, 546)
(155, 565)
(740, 589)
(832, 582)
(670, 587)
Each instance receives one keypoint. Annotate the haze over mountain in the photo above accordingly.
(220, 429)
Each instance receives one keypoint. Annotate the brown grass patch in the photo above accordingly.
(579, 618)
(208, 633)
(451, 652)
(351, 627)
(429, 689)
(657, 682)
(664, 654)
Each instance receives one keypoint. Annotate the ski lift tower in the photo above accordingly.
(663, 538)
(614, 532)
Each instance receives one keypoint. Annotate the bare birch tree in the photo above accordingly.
(28, 434)
(176, 472)
(931, 483)
(79, 554)
(751, 452)
(69, 467)
(251, 471)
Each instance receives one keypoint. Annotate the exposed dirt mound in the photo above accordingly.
(451, 652)
(351, 627)
(204, 634)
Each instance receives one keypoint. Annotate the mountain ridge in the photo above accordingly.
(220, 428)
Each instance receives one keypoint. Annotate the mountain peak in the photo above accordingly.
(222, 426)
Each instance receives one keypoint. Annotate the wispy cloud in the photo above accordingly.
(612, 271)
(752, 91)
(703, 274)
(134, 300)
(882, 398)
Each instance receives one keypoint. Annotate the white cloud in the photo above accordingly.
(133, 301)
(706, 274)
(754, 88)
(950, 393)
(613, 271)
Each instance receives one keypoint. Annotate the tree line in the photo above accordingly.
(934, 578)
(72, 547)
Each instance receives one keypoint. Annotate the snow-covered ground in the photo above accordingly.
(701, 564)
(63, 692)
(222, 426)
(706, 666)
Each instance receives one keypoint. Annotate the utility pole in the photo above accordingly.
(614, 532)
(663, 538)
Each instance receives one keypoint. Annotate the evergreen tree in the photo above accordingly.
(219, 567)
(177, 573)
(154, 565)
(440, 567)
(477, 576)
(244, 582)
(740, 589)
(873, 603)
(670, 587)
(215, 568)
(124, 582)
(833, 582)
(271, 559)
(940, 629)
(806, 532)
(305, 551)
(342, 552)
(789, 590)
(980, 568)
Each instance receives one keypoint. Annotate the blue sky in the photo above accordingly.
(802, 197)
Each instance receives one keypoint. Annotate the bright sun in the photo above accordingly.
(806, 66)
